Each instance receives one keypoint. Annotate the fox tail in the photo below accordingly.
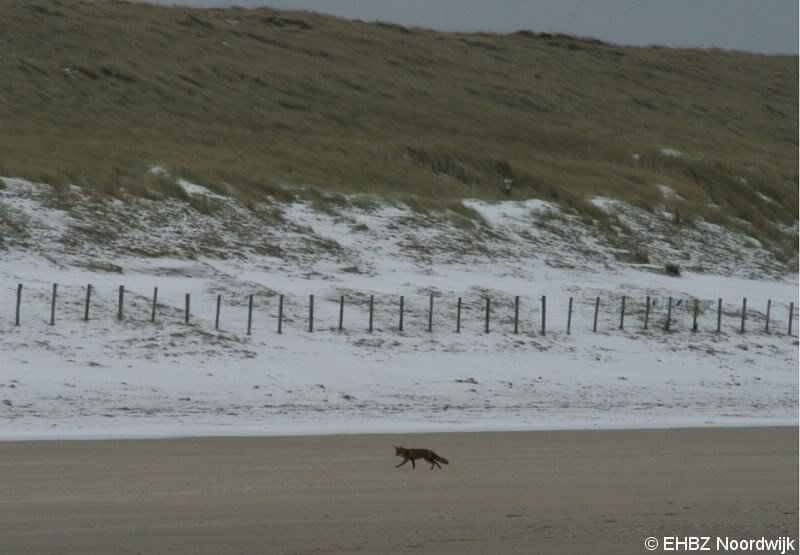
(440, 459)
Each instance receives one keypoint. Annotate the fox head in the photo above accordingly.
(398, 450)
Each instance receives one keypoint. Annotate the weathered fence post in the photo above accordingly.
(596, 309)
(186, 310)
(488, 308)
(544, 314)
(341, 312)
(647, 312)
(769, 306)
(430, 314)
(53, 305)
(791, 312)
(458, 317)
(694, 319)
(119, 304)
(19, 301)
(311, 313)
(622, 314)
(744, 312)
(371, 310)
(669, 314)
(402, 300)
(249, 314)
(216, 317)
(86, 308)
(516, 314)
(155, 301)
(280, 314)
(569, 316)
(719, 315)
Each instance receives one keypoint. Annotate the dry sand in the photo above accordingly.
(521, 492)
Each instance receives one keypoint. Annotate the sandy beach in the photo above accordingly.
(515, 492)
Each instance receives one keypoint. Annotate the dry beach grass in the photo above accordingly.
(247, 101)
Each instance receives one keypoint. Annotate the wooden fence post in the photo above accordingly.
(216, 317)
(249, 314)
(402, 299)
(280, 314)
(458, 318)
(791, 312)
(119, 304)
(311, 313)
(694, 320)
(669, 314)
(544, 314)
(516, 314)
(769, 307)
(53, 305)
(86, 308)
(430, 314)
(569, 316)
(341, 312)
(647, 312)
(719, 315)
(622, 314)
(186, 310)
(155, 301)
(371, 310)
(19, 301)
(488, 308)
(744, 312)
(596, 309)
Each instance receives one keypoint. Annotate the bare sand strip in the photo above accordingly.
(516, 492)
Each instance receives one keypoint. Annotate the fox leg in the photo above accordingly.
(413, 465)
(404, 462)
(436, 463)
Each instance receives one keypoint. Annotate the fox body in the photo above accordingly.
(414, 454)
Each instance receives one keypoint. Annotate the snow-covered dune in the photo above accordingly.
(107, 377)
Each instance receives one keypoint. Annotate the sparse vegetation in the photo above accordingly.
(672, 269)
(637, 256)
(262, 103)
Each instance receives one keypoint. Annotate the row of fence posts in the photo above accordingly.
(667, 325)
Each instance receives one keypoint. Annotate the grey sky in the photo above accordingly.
(767, 26)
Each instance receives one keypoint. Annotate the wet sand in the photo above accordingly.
(516, 492)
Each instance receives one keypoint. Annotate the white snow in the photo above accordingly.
(110, 378)
(672, 153)
(668, 192)
(194, 189)
(765, 198)
(159, 170)
(501, 212)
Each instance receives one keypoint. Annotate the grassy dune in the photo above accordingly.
(95, 93)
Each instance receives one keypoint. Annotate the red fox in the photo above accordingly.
(414, 454)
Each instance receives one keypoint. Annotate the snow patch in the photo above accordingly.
(765, 198)
(672, 153)
(503, 212)
(194, 189)
(668, 192)
(158, 170)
